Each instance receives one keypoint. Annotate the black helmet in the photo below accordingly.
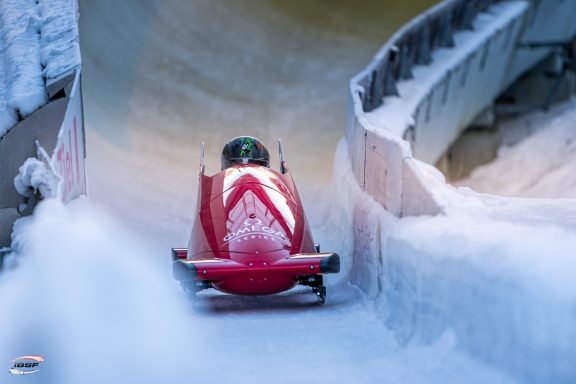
(245, 150)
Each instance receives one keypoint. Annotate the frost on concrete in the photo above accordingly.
(38, 41)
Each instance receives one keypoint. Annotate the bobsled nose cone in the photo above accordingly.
(183, 271)
(330, 264)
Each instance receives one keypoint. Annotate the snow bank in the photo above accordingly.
(34, 176)
(37, 175)
(110, 313)
(542, 165)
(506, 290)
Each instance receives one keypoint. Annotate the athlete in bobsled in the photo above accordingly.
(250, 234)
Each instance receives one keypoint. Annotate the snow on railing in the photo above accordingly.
(39, 45)
(20, 55)
(59, 40)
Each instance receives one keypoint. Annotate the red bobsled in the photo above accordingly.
(250, 236)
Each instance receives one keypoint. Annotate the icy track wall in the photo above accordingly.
(428, 82)
(40, 100)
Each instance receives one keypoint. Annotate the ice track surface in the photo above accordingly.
(111, 313)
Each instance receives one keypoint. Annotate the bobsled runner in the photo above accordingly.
(250, 235)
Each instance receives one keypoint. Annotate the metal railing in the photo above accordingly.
(413, 45)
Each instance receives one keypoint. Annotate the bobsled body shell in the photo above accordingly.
(246, 274)
(249, 221)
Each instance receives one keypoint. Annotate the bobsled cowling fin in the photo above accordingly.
(179, 253)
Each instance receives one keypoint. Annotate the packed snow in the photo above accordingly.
(37, 175)
(541, 166)
(22, 69)
(8, 116)
(59, 40)
(82, 292)
(100, 305)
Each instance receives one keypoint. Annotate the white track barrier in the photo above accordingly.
(500, 288)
